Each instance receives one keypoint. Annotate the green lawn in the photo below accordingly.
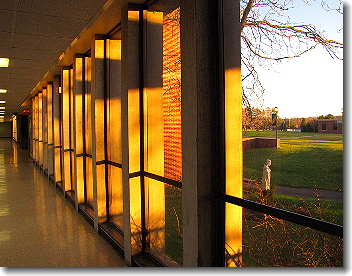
(299, 163)
(327, 210)
(288, 134)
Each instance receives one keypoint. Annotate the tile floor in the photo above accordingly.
(38, 226)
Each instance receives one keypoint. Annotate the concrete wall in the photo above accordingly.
(250, 143)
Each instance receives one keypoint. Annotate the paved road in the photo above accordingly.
(302, 192)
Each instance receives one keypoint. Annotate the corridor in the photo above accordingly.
(38, 226)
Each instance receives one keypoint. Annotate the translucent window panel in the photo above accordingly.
(72, 129)
(56, 129)
(14, 128)
(114, 102)
(233, 235)
(268, 241)
(135, 215)
(87, 107)
(88, 180)
(40, 128)
(162, 130)
(66, 127)
(45, 128)
(114, 143)
(50, 130)
(172, 95)
(162, 96)
(164, 224)
(115, 196)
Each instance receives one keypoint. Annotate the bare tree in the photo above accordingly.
(268, 36)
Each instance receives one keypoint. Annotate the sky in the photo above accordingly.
(312, 84)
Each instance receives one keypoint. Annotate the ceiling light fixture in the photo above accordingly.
(2, 102)
(3, 90)
(4, 62)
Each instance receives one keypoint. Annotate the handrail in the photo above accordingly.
(320, 225)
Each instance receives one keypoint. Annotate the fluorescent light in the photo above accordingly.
(2, 107)
(3, 90)
(4, 62)
(2, 102)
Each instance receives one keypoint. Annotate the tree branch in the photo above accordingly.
(245, 13)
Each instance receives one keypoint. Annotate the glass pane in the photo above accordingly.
(173, 223)
(88, 187)
(165, 222)
(88, 181)
(306, 176)
(172, 95)
(268, 241)
(163, 152)
(115, 196)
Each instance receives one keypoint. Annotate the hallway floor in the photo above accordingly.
(38, 226)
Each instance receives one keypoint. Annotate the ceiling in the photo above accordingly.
(33, 35)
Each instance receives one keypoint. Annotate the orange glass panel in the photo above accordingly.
(172, 95)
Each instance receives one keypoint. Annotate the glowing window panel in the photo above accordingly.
(172, 95)
(2, 102)
(2, 107)
(3, 91)
(4, 62)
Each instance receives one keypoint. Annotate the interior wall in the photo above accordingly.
(5, 130)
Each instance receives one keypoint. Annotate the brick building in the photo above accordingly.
(330, 126)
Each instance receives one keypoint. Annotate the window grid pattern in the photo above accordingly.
(172, 95)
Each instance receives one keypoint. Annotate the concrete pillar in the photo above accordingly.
(130, 112)
(211, 136)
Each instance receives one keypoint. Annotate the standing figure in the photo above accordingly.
(266, 175)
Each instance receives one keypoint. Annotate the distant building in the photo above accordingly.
(330, 126)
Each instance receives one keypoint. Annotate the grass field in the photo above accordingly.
(326, 210)
(299, 163)
(288, 134)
